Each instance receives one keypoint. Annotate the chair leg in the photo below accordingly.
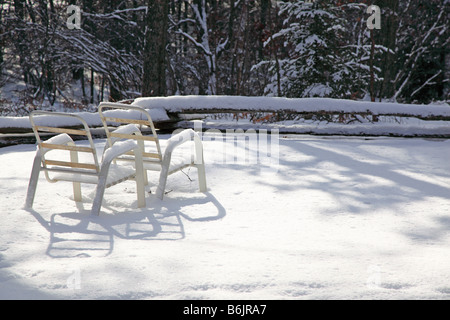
(139, 159)
(77, 192)
(163, 177)
(100, 191)
(200, 163)
(201, 177)
(32, 185)
(141, 178)
(76, 185)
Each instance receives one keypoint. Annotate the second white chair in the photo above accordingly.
(129, 123)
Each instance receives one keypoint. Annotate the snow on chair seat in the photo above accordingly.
(83, 165)
(130, 121)
(116, 175)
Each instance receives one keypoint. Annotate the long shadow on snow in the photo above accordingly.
(365, 187)
(84, 235)
(369, 186)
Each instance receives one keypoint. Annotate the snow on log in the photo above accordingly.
(211, 104)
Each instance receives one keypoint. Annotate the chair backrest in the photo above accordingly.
(46, 123)
(118, 114)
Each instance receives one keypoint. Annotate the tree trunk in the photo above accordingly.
(275, 53)
(201, 15)
(264, 11)
(19, 9)
(388, 38)
(92, 85)
(154, 64)
(231, 44)
(83, 90)
(372, 74)
(102, 89)
(446, 90)
(1, 42)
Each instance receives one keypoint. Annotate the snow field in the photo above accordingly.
(340, 218)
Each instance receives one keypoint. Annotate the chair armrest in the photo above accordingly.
(118, 149)
(61, 139)
(178, 139)
(182, 137)
(128, 129)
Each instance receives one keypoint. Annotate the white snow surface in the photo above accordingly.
(335, 218)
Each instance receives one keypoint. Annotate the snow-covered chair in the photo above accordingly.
(62, 159)
(132, 121)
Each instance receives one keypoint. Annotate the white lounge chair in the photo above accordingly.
(59, 158)
(132, 120)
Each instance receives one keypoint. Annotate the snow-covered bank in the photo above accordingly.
(407, 125)
(92, 119)
(192, 103)
(404, 126)
(340, 218)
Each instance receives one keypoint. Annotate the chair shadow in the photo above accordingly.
(80, 234)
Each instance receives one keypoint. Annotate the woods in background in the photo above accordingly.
(124, 49)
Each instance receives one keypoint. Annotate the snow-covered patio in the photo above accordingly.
(334, 218)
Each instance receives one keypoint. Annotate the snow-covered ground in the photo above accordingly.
(332, 218)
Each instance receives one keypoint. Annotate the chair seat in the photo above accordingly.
(176, 163)
(116, 174)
